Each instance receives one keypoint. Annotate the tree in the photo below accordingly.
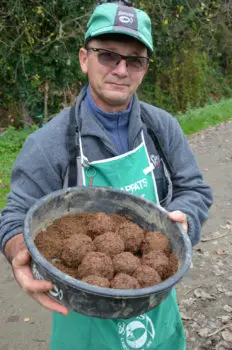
(38, 53)
(39, 43)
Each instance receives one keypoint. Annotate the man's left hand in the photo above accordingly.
(180, 217)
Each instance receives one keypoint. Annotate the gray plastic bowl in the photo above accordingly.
(88, 299)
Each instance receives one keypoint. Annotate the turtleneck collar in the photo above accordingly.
(110, 115)
(116, 123)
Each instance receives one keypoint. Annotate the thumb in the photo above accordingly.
(177, 215)
(180, 217)
(22, 258)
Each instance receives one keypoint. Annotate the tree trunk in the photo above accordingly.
(46, 90)
(27, 120)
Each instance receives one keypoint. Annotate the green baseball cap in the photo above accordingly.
(115, 18)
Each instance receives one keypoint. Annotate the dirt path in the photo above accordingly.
(205, 294)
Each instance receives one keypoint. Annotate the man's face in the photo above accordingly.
(112, 88)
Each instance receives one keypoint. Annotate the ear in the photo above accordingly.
(146, 69)
(143, 74)
(83, 59)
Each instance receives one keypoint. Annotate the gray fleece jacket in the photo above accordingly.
(42, 164)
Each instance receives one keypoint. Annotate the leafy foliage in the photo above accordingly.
(190, 64)
(10, 144)
(38, 55)
(39, 44)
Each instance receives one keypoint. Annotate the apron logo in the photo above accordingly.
(137, 334)
(131, 172)
(136, 186)
(155, 160)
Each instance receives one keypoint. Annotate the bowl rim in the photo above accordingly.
(64, 279)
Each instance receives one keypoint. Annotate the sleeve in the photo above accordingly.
(190, 194)
(33, 176)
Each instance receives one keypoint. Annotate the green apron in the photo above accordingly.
(160, 328)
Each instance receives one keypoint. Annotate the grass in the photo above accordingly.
(10, 144)
(198, 119)
(191, 122)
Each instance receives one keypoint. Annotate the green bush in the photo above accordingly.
(10, 144)
(39, 42)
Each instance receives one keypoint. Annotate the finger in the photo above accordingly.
(177, 215)
(22, 258)
(180, 217)
(26, 280)
(24, 275)
(185, 226)
(49, 303)
(35, 288)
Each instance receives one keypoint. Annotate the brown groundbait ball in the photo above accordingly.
(68, 225)
(109, 243)
(97, 281)
(132, 236)
(124, 281)
(100, 224)
(75, 248)
(146, 276)
(96, 263)
(156, 241)
(125, 262)
(158, 261)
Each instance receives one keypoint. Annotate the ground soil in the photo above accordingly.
(205, 294)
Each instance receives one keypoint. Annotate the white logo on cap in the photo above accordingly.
(125, 19)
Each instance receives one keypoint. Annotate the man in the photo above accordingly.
(110, 121)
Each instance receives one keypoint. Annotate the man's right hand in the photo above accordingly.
(17, 253)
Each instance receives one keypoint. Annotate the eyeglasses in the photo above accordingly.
(112, 59)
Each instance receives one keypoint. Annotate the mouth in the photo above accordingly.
(118, 84)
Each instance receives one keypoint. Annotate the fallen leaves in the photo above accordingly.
(219, 330)
(225, 318)
(185, 317)
(222, 345)
(221, 289)
(227, 335)
(200, 293)
(227, 226)
(227, 308)
(209, 293)
(225, 331)
(203, 332)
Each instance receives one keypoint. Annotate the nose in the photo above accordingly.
(121, 68)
